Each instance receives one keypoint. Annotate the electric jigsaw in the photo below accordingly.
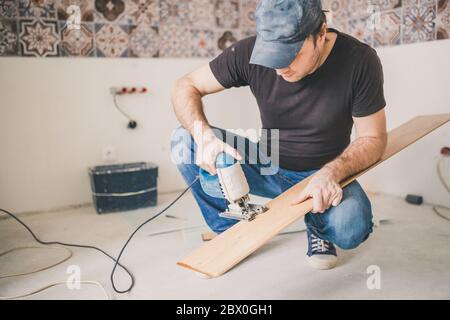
(236, 190)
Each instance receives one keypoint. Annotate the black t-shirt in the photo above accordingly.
(313, 115)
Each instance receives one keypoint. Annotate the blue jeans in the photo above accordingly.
(346, 225)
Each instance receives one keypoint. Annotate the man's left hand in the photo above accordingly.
(324, 189)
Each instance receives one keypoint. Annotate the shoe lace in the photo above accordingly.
(319, 245)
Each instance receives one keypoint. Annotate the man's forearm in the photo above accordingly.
(188, 106)
(360, 154)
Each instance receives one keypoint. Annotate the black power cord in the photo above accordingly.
(116, 261)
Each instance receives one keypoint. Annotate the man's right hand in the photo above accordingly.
(208, 148)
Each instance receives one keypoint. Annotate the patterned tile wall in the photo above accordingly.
(391, 22)
(192, 28)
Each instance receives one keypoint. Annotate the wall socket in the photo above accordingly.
(109, 154)
(128, 90)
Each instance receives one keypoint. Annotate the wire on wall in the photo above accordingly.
(132, 124)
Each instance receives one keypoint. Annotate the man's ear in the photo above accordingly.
(323, 30)
(320, 37)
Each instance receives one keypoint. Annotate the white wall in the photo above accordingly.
(417, 81)
(56, 116)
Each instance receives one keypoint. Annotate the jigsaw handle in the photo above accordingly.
(231, 177)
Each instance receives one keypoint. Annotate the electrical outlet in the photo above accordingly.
(127, 90)
(109, 154)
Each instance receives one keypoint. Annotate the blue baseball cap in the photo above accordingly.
(281, 29)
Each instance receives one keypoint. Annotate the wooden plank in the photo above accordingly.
(208, 235)
(224, 251)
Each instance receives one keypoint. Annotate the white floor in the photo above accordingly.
(411, 248)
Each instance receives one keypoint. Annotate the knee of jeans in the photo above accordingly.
(182, 147)
(353, 223)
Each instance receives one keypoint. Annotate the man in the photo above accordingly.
(312, 83)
